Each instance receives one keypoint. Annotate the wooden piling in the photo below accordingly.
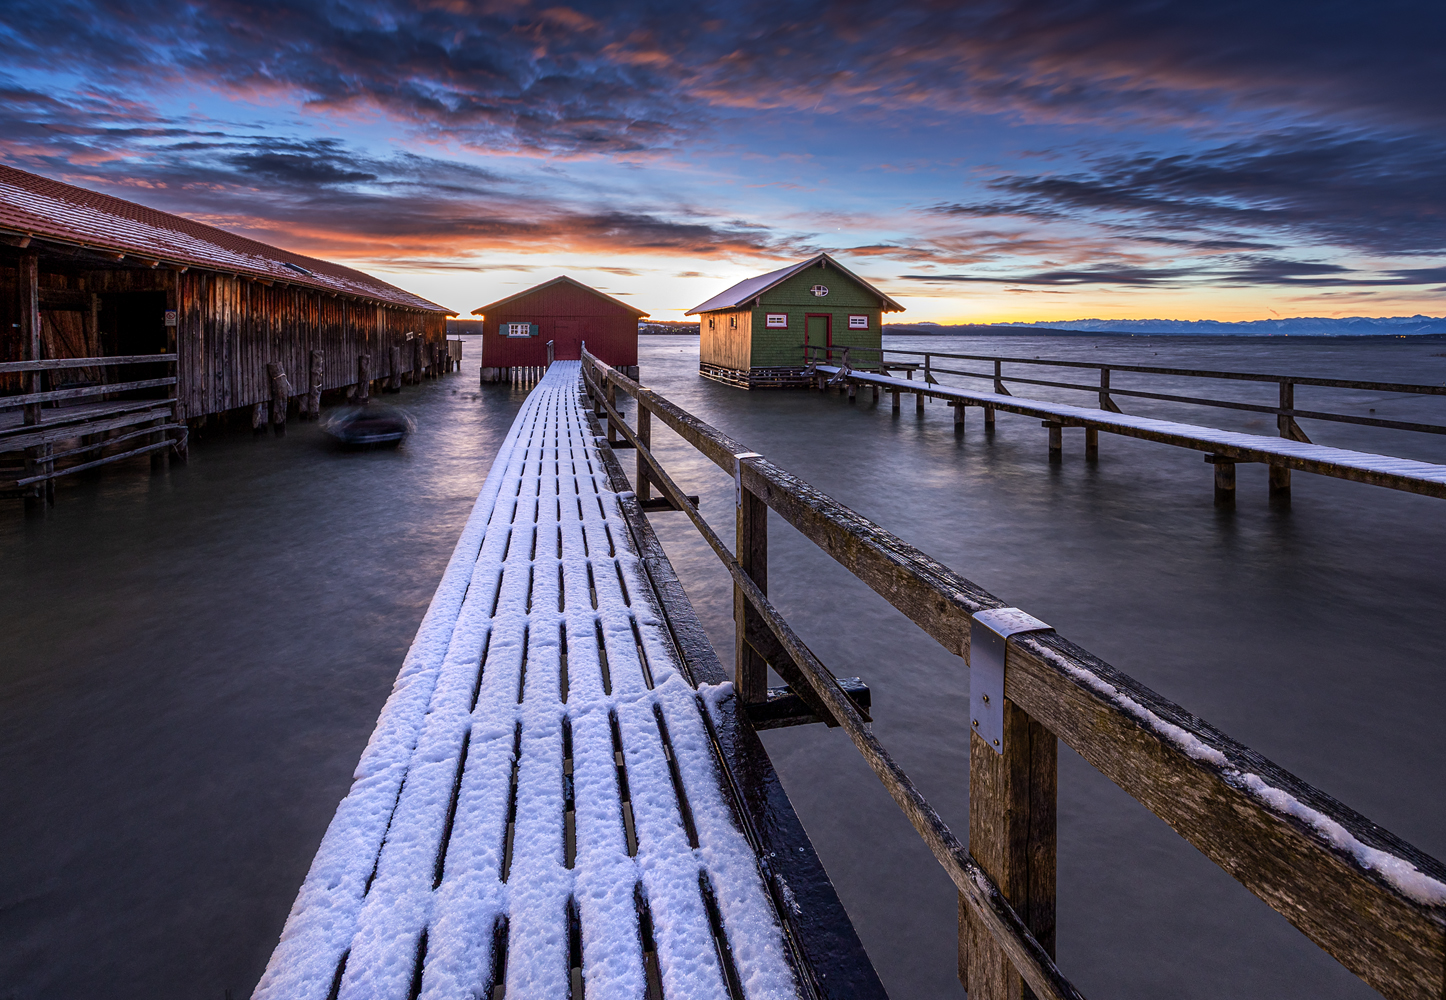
(280, 396)
(258, 418)
(1056, 440)
(876, 395)
(853, 391)
(989, 420)
(959, 409)
(363, 379)
(416, 347)
(315, 379)
(28, 294)
(1092, 444)
(394, 359)
(919, 403)
(1224, 479)
(895, 393)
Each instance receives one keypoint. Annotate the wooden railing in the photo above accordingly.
(110, 423)
(1285, 411)
(1374, 902)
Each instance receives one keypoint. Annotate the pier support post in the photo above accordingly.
(1012, 809)
(314, 380)
(919, 403)
(750, 671)
(853, 391)
(876, 395)
(416, 347)
(1056, 440)
(363, 378)
(394, 359)
(258, 418)
(1092, 444)
(896, 401)
(1279, 482)
(988, 420)
(280, 396)
(1224, 479)
(959, 409)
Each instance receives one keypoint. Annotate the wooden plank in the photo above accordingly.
(52, 433)
(85, 390)
(91, 465)
(53, 364)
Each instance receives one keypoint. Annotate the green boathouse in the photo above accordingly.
(753, 335)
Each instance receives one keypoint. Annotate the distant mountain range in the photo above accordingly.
(1304, 326)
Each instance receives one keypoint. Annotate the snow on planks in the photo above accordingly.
(539, 808)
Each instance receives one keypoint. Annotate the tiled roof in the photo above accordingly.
(37, 206)
(753, 287)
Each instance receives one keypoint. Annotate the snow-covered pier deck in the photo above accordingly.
(558, 799)
(1222, 448)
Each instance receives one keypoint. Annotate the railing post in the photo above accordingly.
(612, 402)
(643, 486)
(549, 354)
(28, 299)
(998, 376)
(1280, 474)
(1012, 807)
(750, 672)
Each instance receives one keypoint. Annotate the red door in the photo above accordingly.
(567, 340)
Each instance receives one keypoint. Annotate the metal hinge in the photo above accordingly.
(989, 633)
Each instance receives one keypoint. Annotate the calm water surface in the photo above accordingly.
(196, 659)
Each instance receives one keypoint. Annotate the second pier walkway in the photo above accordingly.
(545, 808)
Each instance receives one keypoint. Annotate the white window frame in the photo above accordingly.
(858, 322)
(776, 321)
(511, 329)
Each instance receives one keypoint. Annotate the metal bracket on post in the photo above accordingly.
(989, 633)
(738, 475)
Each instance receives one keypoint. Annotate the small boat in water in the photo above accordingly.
(373, 425)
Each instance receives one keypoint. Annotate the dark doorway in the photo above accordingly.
(134, 323)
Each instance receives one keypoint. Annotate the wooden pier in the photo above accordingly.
(1374, 902)
(562, 797)
(566, 797)
(1291, 450)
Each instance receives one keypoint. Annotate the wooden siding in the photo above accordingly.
(779, 347)
(725, 339)
(565, 314)
(229, 328)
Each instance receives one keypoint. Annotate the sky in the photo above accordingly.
(979, 161)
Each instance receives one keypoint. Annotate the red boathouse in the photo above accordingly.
(563, 313)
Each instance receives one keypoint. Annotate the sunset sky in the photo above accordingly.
(981, 161)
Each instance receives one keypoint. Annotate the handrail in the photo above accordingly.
(1105, 390)
(79, 392)
(51, 364)
(1412, 387)
(1374, 902)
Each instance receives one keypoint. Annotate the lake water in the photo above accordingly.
(195, 660)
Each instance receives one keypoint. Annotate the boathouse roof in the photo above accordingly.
(561, 280)
(752, 288)
(36, 207)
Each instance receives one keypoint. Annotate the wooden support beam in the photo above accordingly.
(1092, 444)
(895, 393)
(876, 395)
(1056, 440)
(750, 673)
(989, 420)
(1012, 835)
(394, 359)
(1224, 479)
(363, 378)
(280, 396)
(316, 376)
(919, 403)
(959, 409)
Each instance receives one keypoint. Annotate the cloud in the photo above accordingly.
(1239, 272)
(1364, 192)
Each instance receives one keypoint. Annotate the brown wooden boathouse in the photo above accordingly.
(122, 327)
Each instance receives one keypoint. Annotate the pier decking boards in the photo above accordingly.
(542, 806)
(1379, 470)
